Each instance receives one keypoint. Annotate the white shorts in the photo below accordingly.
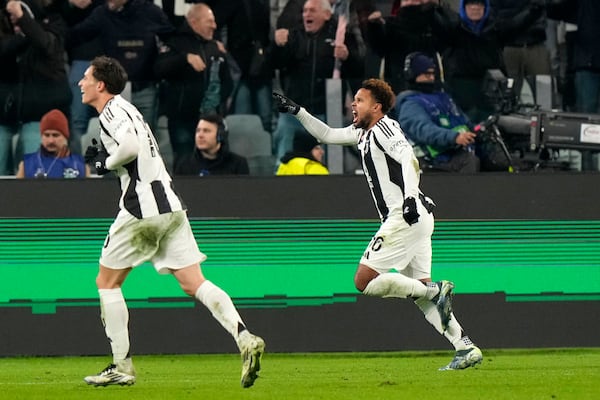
(166, 240)
(402, 247)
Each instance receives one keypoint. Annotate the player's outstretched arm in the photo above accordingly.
(320, 130)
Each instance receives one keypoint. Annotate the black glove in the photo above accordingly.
(90, 154)
(100, 163)
(96, 157)
(427, 203)
(409, 210)
(285, 105)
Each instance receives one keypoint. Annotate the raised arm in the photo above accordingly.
(320, 130)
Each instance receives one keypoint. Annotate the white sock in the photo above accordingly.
(393, 284)
(220, 305)
(115, 317)
(454, 331)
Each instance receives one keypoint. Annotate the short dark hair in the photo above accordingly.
(219, 121)
(382, 93)
(111, 72)
(213, 118)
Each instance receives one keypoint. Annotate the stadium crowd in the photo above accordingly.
(186, 60)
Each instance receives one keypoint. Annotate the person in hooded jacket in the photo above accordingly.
(305, 159)
(474, 42)
(211, 155)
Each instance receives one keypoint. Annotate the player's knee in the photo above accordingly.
(190, 290)
(360, 283)
(363, 276)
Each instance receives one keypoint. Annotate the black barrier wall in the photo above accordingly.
(365, 324)
(483, 196)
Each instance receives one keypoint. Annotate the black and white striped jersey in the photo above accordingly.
(388, 160)
(146, 186)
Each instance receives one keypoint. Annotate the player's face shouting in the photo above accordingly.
(363, 107)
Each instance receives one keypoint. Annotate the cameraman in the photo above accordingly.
(433, 121)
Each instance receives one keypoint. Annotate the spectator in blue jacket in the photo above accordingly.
(54, 158)
(433, 122)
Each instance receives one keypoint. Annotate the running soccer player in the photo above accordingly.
(151, 225)
(403, 241)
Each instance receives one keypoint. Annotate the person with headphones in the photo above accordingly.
(211, 155)
(437, 127)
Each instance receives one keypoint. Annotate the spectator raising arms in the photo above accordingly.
(197, 79)
(474, 41)
(32, 55)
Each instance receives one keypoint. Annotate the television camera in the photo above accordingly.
(526, 130)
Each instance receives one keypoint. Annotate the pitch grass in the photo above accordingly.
(504, 374)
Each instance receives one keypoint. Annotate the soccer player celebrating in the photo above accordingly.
(403, 241)
(151, 225)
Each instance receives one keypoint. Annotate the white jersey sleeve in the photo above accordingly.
(324, 133)
(133, 155)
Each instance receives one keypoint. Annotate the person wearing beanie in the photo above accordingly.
(306, 158)
(439, 130)
(53, 159)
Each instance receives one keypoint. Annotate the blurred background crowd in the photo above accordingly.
(202, 74)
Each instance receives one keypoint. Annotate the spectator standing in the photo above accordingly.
(35, 46)
(433, 122)
(79, 57)
(408, 31)
(197, 78)
(586, 49)
(130, 31)
(308, 58)
(54, 158)
(291, 15)
(211, 155)
(247, 24)
(474, 41)
(525, 53)
(305, 159)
